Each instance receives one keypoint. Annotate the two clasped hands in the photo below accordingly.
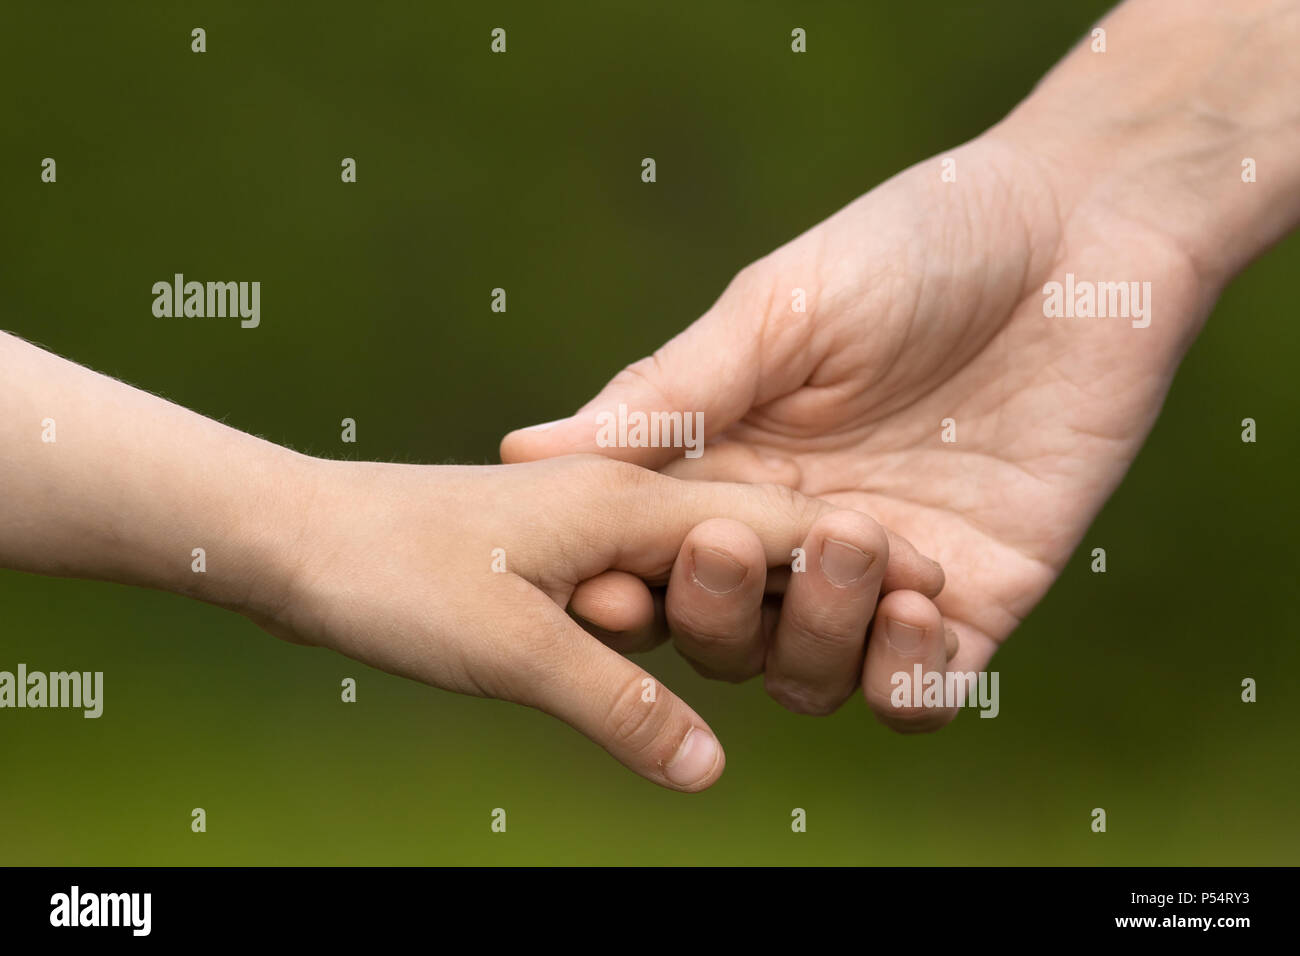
(825, 445)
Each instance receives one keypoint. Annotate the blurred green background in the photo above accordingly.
(522, 171)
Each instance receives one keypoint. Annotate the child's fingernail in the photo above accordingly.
(904, 638)
(952, 644)
(695, 758)
(715, 571)
(544, 425)
(844, 563)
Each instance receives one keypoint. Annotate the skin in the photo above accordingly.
(453, 576)
(925, 303)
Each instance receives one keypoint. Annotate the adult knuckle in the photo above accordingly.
(698, 626)
(647, 376)
(908, 720)
(801, 699)
(819, 626)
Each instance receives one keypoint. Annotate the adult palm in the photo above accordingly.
(922, 383)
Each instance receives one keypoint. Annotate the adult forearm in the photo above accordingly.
(1189, 102)
(101, 480)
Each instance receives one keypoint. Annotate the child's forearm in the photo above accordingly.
(101, 480)
(451, 576)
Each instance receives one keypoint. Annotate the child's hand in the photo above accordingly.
(459, 577)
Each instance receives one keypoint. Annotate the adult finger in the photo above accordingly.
(715, 600)
(906, 655)
(815, 661)
(620, 610)
(714, 371)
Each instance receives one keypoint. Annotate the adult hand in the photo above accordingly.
(925, 320)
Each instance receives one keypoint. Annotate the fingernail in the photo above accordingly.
(904, 638)
(952, 643)
(844, 563)
(695, 758)
(715, 571)
(544, 425)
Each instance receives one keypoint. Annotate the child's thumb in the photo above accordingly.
(618, 705)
